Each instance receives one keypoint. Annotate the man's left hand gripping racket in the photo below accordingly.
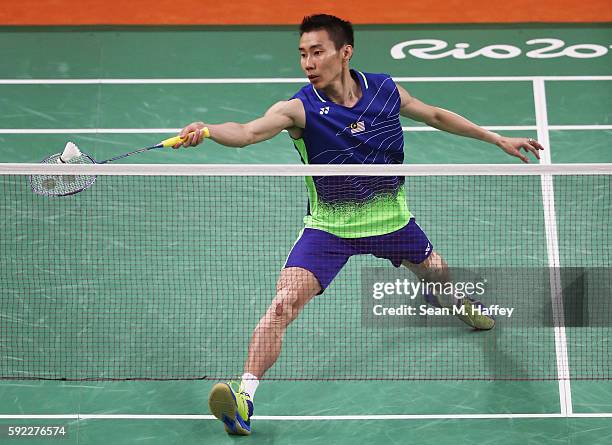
(64, 185)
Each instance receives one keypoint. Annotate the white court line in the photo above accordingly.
(88, 130)
(259, 80)
(552, 245)
(176, 130)
(488, 127)
(306, 418)
(498, 78)
(580, 127)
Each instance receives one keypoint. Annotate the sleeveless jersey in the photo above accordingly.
(368, 133)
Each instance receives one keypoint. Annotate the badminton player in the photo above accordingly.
(343, 116)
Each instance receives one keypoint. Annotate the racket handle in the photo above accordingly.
(176, 139)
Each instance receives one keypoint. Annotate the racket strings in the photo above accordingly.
(62, 185)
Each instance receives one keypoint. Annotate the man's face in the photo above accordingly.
(319, 58)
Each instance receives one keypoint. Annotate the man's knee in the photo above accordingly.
(285, 306)
(294, 289)
(281, 312)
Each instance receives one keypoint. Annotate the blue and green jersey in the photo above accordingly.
(368, 133)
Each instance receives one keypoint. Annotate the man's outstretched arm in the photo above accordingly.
(453, 123)
(282, 115)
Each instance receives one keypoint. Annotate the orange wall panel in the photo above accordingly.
(258, 12)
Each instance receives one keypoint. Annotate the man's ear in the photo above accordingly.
(347, 52)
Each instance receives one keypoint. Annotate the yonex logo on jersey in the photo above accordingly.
(324, 110)
(357, 127)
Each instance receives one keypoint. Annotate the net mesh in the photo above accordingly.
(166, 276)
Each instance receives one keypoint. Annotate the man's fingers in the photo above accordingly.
(188, 129)
(521, 156)
(532, 149)
(184, 131)
(188, 140)
(535, 144)
(196, 137)
(191, 135)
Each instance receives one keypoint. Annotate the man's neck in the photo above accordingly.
(345, 90)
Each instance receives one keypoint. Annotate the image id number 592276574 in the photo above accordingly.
(33, 431)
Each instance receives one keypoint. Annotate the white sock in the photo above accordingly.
(249, 384)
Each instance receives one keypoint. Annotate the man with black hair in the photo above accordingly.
(343, 116)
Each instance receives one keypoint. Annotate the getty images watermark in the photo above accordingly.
(397, 298)
(518, 297)
(448, 295)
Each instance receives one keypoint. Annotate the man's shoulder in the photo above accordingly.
(376, 79)
(303, 92)
(374, 75)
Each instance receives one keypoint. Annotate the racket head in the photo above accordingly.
(62, 185)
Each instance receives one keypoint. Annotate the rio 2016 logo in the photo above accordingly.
(550, 49)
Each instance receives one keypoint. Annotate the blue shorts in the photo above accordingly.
(325, 254)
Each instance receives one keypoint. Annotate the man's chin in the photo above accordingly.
(315, 81)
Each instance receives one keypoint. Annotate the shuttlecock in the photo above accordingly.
(71, 151)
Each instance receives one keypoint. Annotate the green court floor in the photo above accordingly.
(142, 98)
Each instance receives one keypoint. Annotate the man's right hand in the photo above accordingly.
(192, 135)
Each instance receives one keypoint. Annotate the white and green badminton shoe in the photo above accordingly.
(233, 407)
